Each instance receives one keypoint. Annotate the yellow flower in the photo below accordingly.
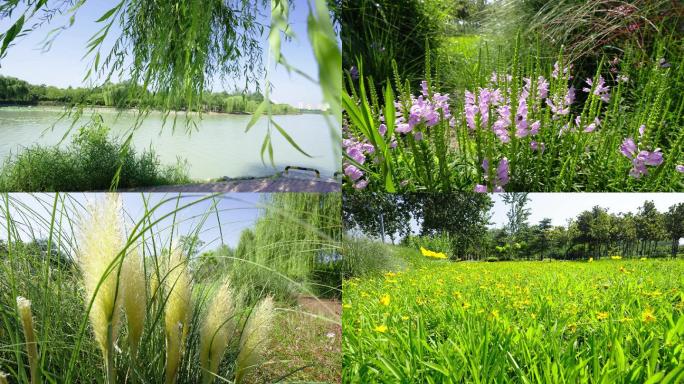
(495, 314)
(465, 305)
(591, 259)
(643, 258)
(385, 300)
(404, 317)
(647, 316)
(381, 328)
(616, 257)
(602, 315)
(346, 306)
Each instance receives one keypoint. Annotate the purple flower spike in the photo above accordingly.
(628, 148)
(354, 72)
(481, 188)
(361, 184)
(502, 169)
(353, 172)
(680, 168)
(642, 130)
(382, 129)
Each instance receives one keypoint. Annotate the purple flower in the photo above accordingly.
(591, 127)
(424, 88)
(542, 87)
(652, 159)
(356, 154)
(353, 172)
(361, 184)
(501, 125)
(502, 170)
(628, 148)
(382, 129)
(534, 128)
(601, 90)
(640, 159)
(479, 188)
(642, 130)
(680, 168)
(418, 136)
(537, 146)
(354, 72)
(556, 70)
(403, 128)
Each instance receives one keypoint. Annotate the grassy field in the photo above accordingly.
(603, 321)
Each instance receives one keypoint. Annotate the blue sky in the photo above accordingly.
(560, 207)
(63, 66)
(237, 211)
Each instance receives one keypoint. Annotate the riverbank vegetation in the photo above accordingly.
(117, 295)
(514, 95)
(128, 96)
(92, 161)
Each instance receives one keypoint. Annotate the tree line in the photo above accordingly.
(128, 95)
(463, 220)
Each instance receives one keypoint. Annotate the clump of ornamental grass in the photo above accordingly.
(134, 298)
(26, 317)
(101, 241)
(177, 311)
(254, 338)
(217, 328)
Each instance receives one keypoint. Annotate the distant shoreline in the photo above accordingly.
(104, 107)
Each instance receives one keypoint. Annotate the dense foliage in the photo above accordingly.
(127, 95)
(298, 236)
(558, 322)
(90, 162)
(457, 225)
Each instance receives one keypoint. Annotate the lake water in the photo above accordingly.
(219, 147)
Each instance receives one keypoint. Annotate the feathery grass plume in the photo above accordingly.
(100, 241)
(254, 338)
(134, 297)
(24, 309)
(217, 328)
(177, 311)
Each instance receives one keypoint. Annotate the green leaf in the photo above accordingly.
(11, 34)
(289, 139)
(257, 114)
(109, 13)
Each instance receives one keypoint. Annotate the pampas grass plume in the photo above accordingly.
(101, 241)
(177, 312)
(254, 338)
(134, 298)
(26, 317)
(217, 328)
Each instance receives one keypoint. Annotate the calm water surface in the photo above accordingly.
(219, 147)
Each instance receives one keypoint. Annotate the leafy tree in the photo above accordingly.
(374, 212)
(517, 217)
(464, 216)
(674, 225)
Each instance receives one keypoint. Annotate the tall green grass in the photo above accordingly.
(611, 321)
(50, 274)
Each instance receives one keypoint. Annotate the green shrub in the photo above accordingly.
(439, 243)
(89, 162)
(363, 256)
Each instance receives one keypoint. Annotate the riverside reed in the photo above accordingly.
(128, 308)
(435, 321)
(523, 123)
